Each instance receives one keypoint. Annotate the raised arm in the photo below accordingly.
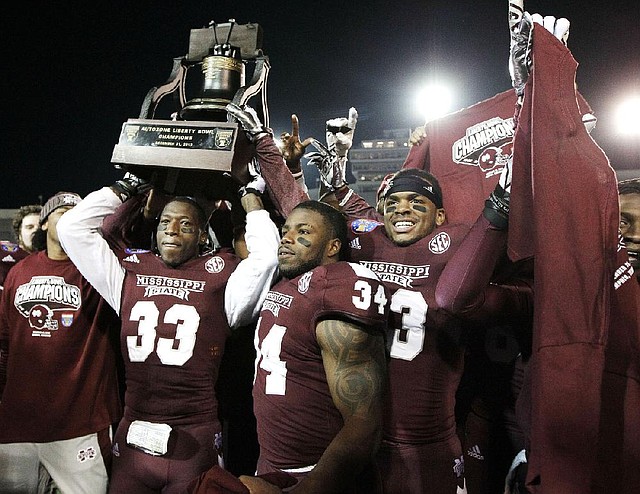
(464, 288)
(354, 206)
(354, 362)
(283, 188)
(128, 226)
(79, 233)
(249, 284)
(331, 161)
(293, 149)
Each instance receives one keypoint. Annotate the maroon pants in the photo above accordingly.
(421, 469)
(191, 451)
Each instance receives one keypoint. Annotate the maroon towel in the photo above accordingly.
(584, 366)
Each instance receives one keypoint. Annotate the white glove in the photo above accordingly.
(417, 136)
(257, 184)
(340, 133)
(250, 122)
(520, 29)
(558, 27)
(333, 169)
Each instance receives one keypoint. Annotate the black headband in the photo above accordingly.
(409, 183)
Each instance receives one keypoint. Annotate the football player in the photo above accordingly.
(320, 370)
(178, 304)
(408, 250)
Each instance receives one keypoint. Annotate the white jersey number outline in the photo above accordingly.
(408, 340)
(268, 353)
(146, 313)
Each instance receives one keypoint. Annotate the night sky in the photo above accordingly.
(75, 71)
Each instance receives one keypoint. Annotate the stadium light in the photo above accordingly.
(433, 101)
(628, 116)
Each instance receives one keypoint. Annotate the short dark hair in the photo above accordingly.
(200, 213)
(16, 224)
(334, 219)
(629, 186)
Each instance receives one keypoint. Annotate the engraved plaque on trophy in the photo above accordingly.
(198, 146)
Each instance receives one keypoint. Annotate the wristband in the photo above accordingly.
(245, 189)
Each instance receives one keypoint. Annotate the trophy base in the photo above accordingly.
(185, 157)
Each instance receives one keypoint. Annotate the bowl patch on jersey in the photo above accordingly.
(8, 246)
(364, 225)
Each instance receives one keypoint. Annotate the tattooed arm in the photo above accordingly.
(354, 362)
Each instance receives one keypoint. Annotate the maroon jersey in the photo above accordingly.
(426, 358)
(61, 374)
(173, 332)
(295, 413)
(10, 254)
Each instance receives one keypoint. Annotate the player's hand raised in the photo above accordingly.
(291, 148)
(340, 132)
(521, 30)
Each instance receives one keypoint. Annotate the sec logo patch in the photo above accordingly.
(440, 243)
(214, 265)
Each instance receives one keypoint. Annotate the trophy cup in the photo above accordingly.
(199, 148)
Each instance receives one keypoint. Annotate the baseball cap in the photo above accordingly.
(57, 201)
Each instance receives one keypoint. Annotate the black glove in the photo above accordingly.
(496, 207)
(129, 186)
(248, 119)
(520, 53)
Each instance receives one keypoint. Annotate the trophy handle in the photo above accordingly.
(258, 84)
(176, 82)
